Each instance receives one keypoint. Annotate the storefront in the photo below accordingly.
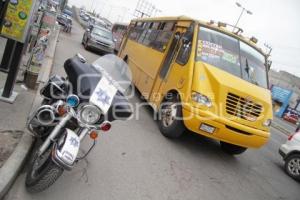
(280, 98)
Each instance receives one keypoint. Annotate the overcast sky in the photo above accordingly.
(276, 22)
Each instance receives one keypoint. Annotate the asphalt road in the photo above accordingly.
(135, 162)
(285, 124)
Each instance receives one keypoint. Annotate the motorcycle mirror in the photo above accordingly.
(81, 58)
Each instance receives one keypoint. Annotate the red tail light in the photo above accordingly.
(105, 126)
(291, 136)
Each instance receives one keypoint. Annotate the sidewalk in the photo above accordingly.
(13, 117)
(15, 141)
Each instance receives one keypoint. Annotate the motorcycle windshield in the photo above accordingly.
(115, 70)
(115, 78)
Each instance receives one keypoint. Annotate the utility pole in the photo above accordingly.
(243, 10)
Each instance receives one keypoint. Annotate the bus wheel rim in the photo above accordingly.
(169, 115)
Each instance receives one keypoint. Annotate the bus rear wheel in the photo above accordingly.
(170, 118)
(232, 149)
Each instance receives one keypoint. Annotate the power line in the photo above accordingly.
(145, 8)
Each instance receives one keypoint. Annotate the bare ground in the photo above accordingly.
(8, 141)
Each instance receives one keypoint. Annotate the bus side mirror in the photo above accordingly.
(187, 37)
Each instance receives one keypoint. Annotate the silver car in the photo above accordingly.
(290, 152)
(98, 38)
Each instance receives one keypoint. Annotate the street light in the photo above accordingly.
(243, 10)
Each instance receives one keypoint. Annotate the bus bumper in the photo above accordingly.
(224, 129)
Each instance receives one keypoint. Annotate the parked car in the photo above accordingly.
(291, 117)
(96, 22)
(85, 17)
(65, 21)
(290, 152)
(98, 38)
(68, 12)
(82, 13)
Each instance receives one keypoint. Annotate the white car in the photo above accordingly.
(290, 151)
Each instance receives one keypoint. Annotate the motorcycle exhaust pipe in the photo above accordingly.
(46, 115)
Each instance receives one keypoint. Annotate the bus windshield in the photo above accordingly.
(232, 56)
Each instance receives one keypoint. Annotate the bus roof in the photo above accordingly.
(206, 24)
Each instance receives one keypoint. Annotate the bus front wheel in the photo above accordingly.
(232, 149)
(170, 118)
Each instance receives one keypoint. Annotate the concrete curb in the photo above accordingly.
(13, 165)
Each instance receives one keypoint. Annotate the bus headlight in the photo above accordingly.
(267, 123)
(202, 99)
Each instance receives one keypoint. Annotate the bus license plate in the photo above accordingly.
(207, 128)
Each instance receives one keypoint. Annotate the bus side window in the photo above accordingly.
(132, 33)
(186, 46)
(142, 36)
(164, 35)
(135, 33)
(147, 40)
(151, 34)
(162, 40)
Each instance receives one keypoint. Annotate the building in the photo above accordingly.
(288, 81)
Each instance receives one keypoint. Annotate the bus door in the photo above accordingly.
(167, 64)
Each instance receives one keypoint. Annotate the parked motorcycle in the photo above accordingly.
(84, 103)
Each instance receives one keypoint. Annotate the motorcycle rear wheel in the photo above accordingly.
(42, 173)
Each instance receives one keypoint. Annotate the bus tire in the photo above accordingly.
(232, 149)
(170, 118)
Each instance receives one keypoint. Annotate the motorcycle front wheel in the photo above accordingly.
(42, 172)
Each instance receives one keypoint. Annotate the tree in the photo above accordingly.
(63, 4)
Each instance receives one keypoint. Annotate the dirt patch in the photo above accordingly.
(8, 142)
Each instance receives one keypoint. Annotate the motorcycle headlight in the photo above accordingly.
(202, 99)
(89, 114)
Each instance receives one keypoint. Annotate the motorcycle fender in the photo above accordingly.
(66, 154)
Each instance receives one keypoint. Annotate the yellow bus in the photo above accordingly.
(202, 77)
